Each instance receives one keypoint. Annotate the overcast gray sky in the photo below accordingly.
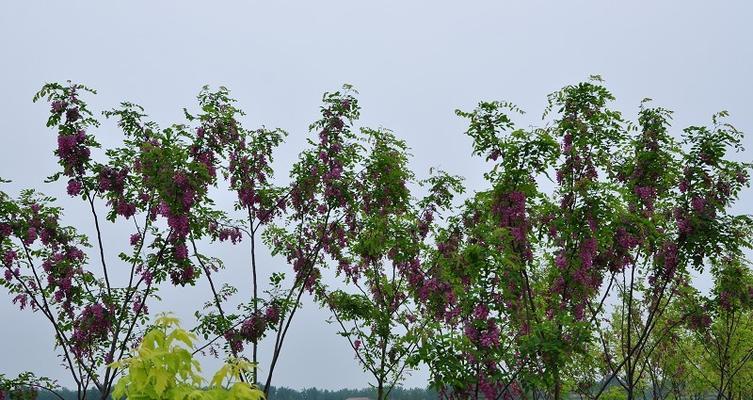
(413, 63)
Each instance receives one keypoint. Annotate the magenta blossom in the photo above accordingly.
(74, 187)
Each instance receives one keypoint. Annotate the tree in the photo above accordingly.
(630, 216)
(95, 320)
(380, 258)
(569, 274)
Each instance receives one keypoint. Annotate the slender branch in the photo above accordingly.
(217, 301)
(99, 241)
(48, 313)
(255, 285)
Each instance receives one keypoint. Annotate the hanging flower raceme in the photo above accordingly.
(74, 153)
(93, 324)
(72, 118)
(234, 338)
(179, 186)
(34, 226)
(510, 209)
(253, 328)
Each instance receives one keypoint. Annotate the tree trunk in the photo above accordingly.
(557, 384)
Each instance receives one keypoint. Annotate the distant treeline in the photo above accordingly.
(283, 393)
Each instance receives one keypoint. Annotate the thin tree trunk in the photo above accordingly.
(557, 384)
(255, 286)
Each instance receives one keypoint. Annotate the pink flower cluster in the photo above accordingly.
(253, 328)
(232, 234)
(177, 215)
(647, 194)
(482, 330)
(112, 182)
(61, 269)
(699, 321)
(92, 325)
(510, 208)
(234, 340)
(73, 153)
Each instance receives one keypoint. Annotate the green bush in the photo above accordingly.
(163, 367)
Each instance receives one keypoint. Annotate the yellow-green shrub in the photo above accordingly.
(162, 367)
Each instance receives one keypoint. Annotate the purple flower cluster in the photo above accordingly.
(177, 214)
(92, 325)
(181, 251)
(725, 300)
(58, 106)
(61, 269)
(22, 300)
(74, 187)
(232, 234)
(587, 253)
(73, 153)
(490, 336)
(647, 194)
(183, 275)
(561, 260)
(700, 321)
(668, 255)
(272, 314)
(234, 340)
(112, 182)
(139, 305)
(510, 209)
(145, 274)
(698, 203)
(482, 330)
(135, 239)
(253, 328)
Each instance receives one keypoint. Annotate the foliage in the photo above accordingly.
(379, 258)
(162, 367)
(525, 275)
(569, 274)
(25, 386)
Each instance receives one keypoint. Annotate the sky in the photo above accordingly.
(413, 63)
